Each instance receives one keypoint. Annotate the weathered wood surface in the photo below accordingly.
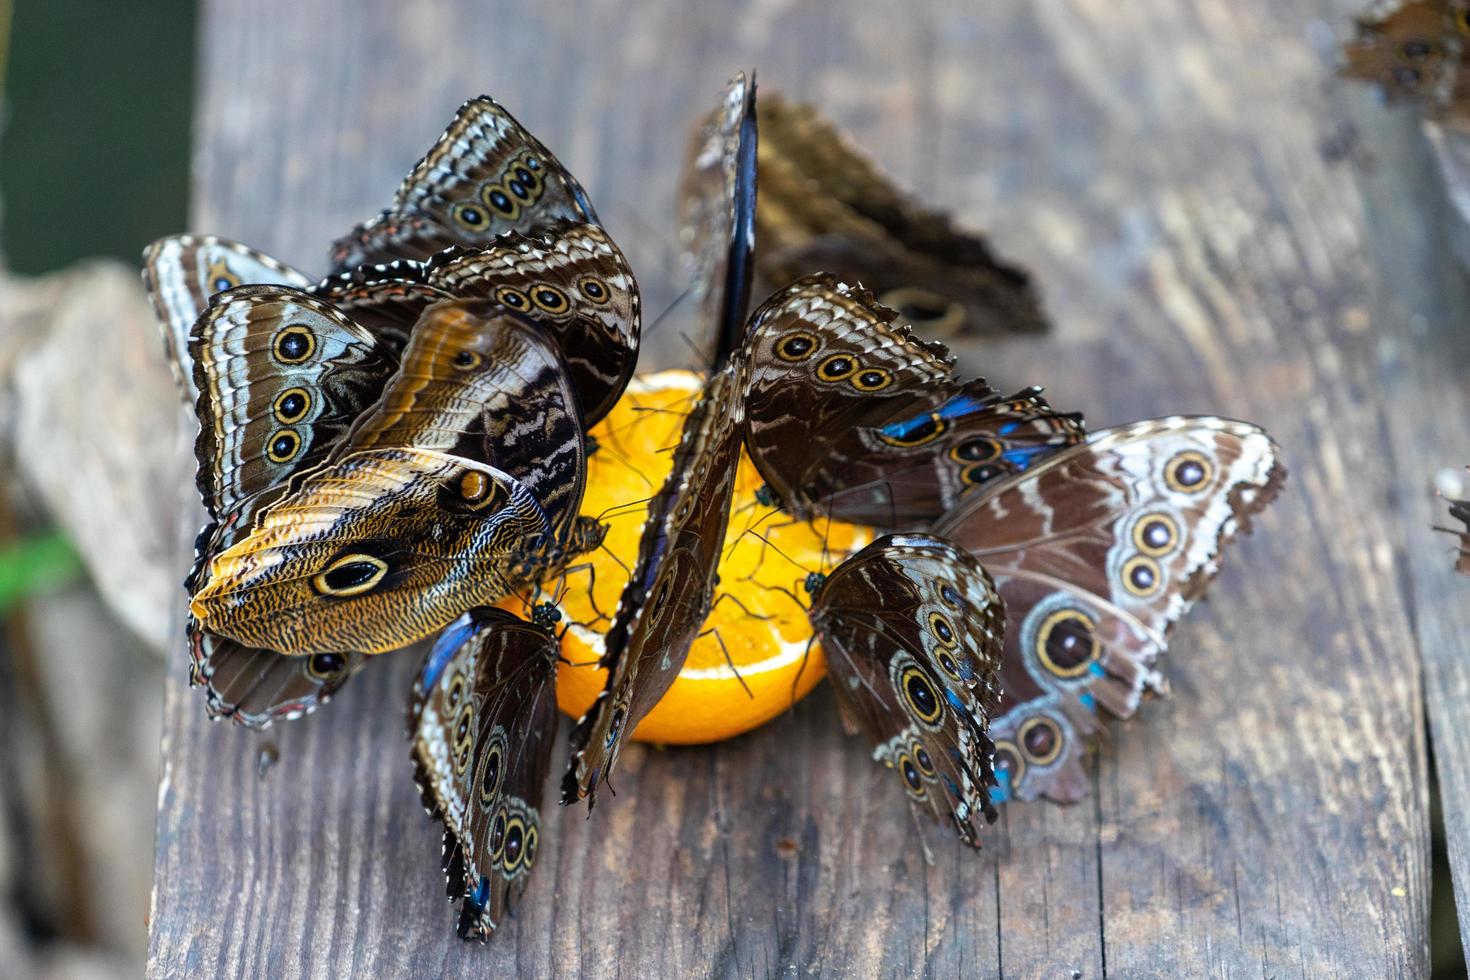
(1174, 173)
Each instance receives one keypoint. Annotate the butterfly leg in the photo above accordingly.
(726, 650)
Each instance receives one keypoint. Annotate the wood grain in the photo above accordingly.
(1160, 168)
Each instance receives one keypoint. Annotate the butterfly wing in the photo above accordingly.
(371, 552)
(851, 415)
(825, 205)
(255, 687)
(576, 283)
(385, 300)
(181, 273)
(1097, 551)
(912, 630)
(717, 218)
(482, 720)
(1415, 53)
(666, 600)
(484, 177)
(1460, 511)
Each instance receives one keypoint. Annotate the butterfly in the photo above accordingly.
(482, 720)
(1416, 52)
(484, 177)
(851, 415)
(825, 205)
(912, 630)
(1097, 551)
(1460, 511)
(669, 592)
(460, 484)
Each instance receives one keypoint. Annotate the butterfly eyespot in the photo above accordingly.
(497, 834)
(923, 308)
(495, 197)
(796, 346)
(350, 575)
(1417, 50)
(492, 774)
(1141, 575)
(872, 379)
(978, 450)
(948, 593)
(294, 344)
(326, 666)
(479, 491)
(942, 630)
(549, 299)
(515, 841)
(594, 289)
(948, 665)
(469, 216)
(518, 189)
(457, 685)
(220, 277)
(533, 839)
(1008, 761)
(468, 360)
(919, 695)
(1040, 739)
(913, 782)
(614, 729)
(836, 367)
(522, 175)
(1155, 534)
(973, 476)
(513, 298)
(921, 759)
(464, 737)
(283, 446)
(291, 405)
(914, 432)
(1189, 472)
(1066, 643)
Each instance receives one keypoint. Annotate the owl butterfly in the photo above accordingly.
(849, 414)
(183, 272)
(1416, 52)
(669, 593)
(912, 630)
(484, 177)
(461, 484)
(1097, 551)
(1460, 511)
(717, 216)
(481, 722)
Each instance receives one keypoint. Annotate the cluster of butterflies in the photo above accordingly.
(387, 452)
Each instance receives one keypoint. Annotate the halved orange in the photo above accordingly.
(756, 658)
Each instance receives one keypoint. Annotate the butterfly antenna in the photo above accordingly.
(673, 305)
(779, 551)
(805, 655)
(728, 659)
(615, 508)
(743, 607)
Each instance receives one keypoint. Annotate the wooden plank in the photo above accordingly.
(1158, 166)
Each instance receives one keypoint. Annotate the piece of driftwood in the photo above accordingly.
(1159, 167)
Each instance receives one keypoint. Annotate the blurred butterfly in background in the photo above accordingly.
(1415, 52)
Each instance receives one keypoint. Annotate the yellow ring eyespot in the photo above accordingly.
(283, 446)
(492, 775)
(470, 216)
(919, 432)
(938, 316)
(291, 405)
(294, 344)
(549, 299)
(479, 491)
(871, 379)
(468, 360)
(948, 664)
(980, 449)
(495, 198)
(836, 368)
(527, 170)
(913, 781)
(464, 737)
(497, 833)
(515, 843)
(1141, 575)
(796, 346)
(533, 840)
(920, 755)
(1189, 472)
(1155, 534)
(973, 476)
(219, 277)
(1008, 758)
(509, 296)
(326, 666)
(350, 575)
(594, 289)
(919, 695)
(1066, 643)
(941, 630)
(1041, 740)
(457, 685)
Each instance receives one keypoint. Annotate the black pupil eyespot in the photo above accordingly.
(617, 725)
(326, 663)
(1416, 50)
(464, 358)
(293, 346)
(499, 199)
(941, 628)
(524, 176)
(471, 216)
(351, 575)
(594, 290)
(463, 728)
(1040, 739)
(1190, 473)
(910, 774)
(533, 163)
(798, 345)
(518, 189)
(1156, 534)
(497, 832)
(871, 378)
(947, 662)
(282, 446)
(1004, 761)
(513, 844)
(975, 450)
(512, 299)
(923, 311)
(293, 405)
(1142, 576)
(923, 757)
(950, 595)
(548, 298)
(981, 473)
(1069, 643)
(492, 771)
(837, 368)
(921, 694)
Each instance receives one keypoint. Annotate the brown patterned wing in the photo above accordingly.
(256, 688)
(386, 300)
(481, 722)
(371, 552)
(664, 605)
(851, 415)
(1098, 551)
(912, 630)
(1415, 52)
(182, 272)
(717, 219)
(1460, 511)
(826, 206)
(576, 283)
(484, 177)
